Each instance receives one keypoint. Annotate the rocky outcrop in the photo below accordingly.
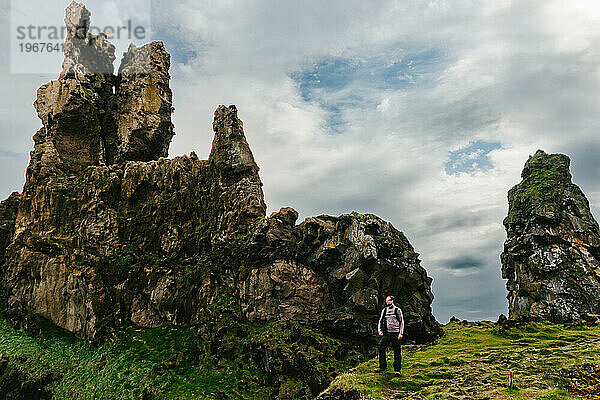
(339, 269)
(92, 117)
(551, 256)
(108, 231)
(155, 243)
(126, 242)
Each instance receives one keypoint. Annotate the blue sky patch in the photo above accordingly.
(471, 158)
(182, 50)
(339, 84)
(333, 75)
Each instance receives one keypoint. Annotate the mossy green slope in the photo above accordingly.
(222, 359)
(473, 361)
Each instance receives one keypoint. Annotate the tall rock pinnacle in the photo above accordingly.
(237, 171)
(92, 117)
(144, 103)
(551, 256)
(230, 149)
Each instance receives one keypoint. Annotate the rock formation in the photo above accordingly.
(92, 117)
(86, 55)
(337, 268)
(551, 255)
(109, 231)
(127, 242)
(144, 104)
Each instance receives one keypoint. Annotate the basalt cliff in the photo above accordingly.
(551, 256)
(109, 231)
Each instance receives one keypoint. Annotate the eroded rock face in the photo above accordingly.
(283, 291)
(340, 270)
(73, 114)
(107, 230)
(144, 104)
(92, 117)
(551, 255)
(8, 215)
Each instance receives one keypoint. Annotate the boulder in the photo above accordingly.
(358, 258)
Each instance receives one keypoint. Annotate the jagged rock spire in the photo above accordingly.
(230, 150)
(234, 166)
(145, 103)
(85, 54)
(551, 256)
(92, 117)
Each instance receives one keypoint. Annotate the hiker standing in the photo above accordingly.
(391, 329)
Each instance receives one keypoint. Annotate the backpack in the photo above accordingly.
(384, 319)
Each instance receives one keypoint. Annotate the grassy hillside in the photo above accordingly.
(234, 361)
(473, 361)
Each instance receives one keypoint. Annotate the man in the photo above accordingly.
(391, 329)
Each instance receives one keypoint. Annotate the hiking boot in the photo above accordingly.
(397, 374)
(378, 370)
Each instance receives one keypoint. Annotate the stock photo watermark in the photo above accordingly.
(38, 30)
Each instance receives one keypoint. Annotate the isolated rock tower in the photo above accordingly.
(551, 256)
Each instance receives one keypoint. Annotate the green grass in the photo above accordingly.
(474, 361)
(469, 361)
(175, 363)
(134, 363)
(365, 216)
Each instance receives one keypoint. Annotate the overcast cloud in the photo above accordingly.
(420, 112)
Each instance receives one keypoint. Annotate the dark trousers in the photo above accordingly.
(396, 345)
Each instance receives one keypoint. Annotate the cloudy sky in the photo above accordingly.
(422, 112)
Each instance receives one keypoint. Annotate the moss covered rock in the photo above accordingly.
(551, 257)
